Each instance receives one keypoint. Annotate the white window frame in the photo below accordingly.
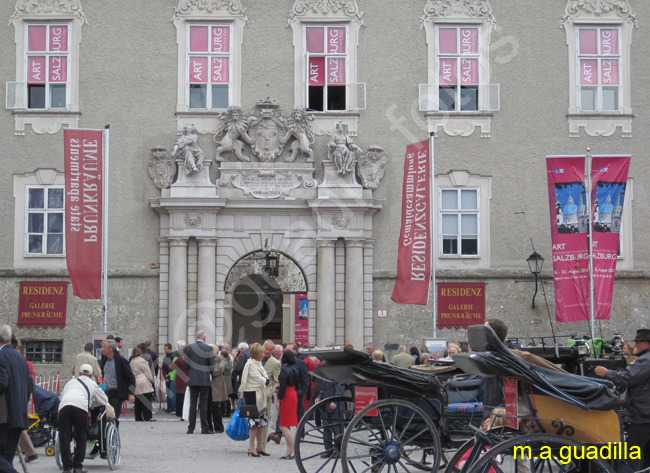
(459, 213)
(23, 260)
(45, 211)
(459, 123)
(189, 12)
(305, 14)
(460, 180)
(599, 123)
(48, 120)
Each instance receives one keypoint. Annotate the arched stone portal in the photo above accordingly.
(260, 303)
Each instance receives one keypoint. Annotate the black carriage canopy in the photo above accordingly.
(344, 365)
(491, 357)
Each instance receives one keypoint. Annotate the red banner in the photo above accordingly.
(83, 210)
(461, 304)
(570, 237)
(363, 397)
(302, 319)
(414, 252)
(42, 304)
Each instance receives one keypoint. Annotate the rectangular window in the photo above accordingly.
(326, 67)
(43, 352)
(459, 222)
(47, 62)
(208, 61)
(44, 221)
(458, 65)
(599, 66)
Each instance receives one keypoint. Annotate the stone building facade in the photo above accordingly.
(257, 157)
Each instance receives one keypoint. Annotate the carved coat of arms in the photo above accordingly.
(371, 167)
(267, 130)
(162, 168)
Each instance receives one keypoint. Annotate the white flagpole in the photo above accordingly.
(105, 225)
(591, 246)
(432, 199)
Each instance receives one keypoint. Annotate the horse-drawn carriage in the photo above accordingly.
(555, 421)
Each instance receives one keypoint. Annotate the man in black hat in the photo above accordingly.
(635, 377)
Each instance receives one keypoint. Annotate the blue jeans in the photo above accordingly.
(171, 396)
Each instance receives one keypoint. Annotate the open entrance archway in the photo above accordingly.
(260, 303)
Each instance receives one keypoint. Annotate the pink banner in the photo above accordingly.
(469, 71)
(448, 72)
(316, 40)
(58, 68)
(336, 40)
(569, 227)
(198, 69)
(335, 71)
(220, 39)
(608, 41)
(220, 70)
(569, 232)
(199, 39)
(36, 37)
(302, 319)
(588, 41)
(36, 70)
(414, 250)
(448, 41)
(609, 178)
(469, 40)
(609, 71)
(83, 210)
(589, 72)
(316, 71)
(58, 38)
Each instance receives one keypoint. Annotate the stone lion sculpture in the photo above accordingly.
(298, 127)
(234, 128)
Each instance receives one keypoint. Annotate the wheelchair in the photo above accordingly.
(103, 441)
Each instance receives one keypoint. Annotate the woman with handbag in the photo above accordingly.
(253, 393)
(143, 386)
(288, 399)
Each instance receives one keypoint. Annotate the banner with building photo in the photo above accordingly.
(414, 250)
(570, 227)
(83, 210)
(569, 236)
(609, 184)
(302, 319)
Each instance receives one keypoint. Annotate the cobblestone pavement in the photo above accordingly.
(163, 446)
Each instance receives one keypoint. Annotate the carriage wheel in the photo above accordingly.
(540, 453)
(401, 438)
(113, 446)
(482, 443)
(57, 451)
(315, 427)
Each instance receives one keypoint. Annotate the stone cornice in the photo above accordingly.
(303, 8)
(189, 7)
(457, 9)
(599, 9)
(54, 8)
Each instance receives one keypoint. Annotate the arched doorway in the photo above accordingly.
(261, 290)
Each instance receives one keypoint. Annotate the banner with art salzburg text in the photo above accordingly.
(569, 232)
(83, 210)
(609, 185)
(414, 251)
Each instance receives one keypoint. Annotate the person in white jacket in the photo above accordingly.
(79, 395)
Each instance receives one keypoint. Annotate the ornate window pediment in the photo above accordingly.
(458, 96)
(191, 8)
(599, 37)
(348, 8)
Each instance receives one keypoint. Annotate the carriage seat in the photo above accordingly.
(492, 357)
